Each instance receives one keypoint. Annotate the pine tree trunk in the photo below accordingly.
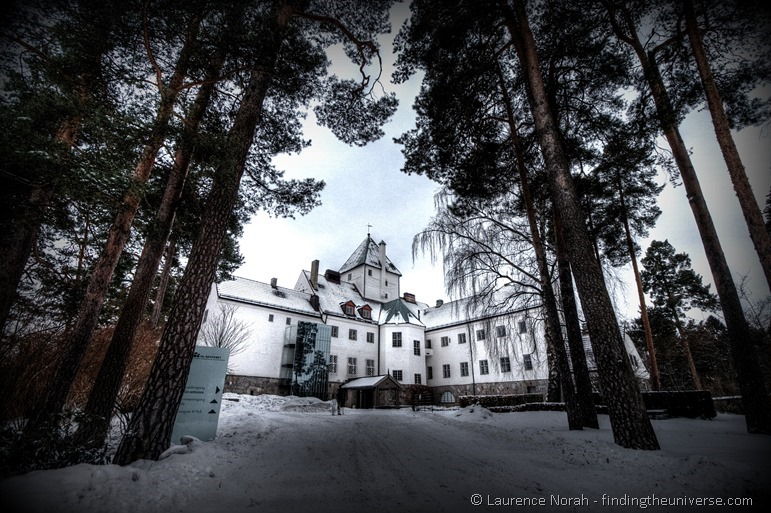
(163, 282)
(19, 234)
(628, 417)
(553, 327)
(78, 337)
(149, 431)
(695, 379)
(653, 364)
(743, 341)
(573, 328)
(752, 215)
(104, 393)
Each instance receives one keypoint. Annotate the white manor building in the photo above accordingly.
(361, 325)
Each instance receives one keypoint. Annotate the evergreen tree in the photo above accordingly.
(675, 288)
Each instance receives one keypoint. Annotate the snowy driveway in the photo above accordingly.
(400, 461)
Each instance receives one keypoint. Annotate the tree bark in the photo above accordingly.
(628, 417)
(750, 208)
(573, 328)
(695, 379)
(79, 335)
(653, 364)
(151, 424)
(553, 327)
(163, 282)
(743, 342)
(104, 393)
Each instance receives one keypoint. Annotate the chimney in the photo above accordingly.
(439, 303)
(274, 283)
(410, 298)
(382, 255)
(315, 275)
(332, 276)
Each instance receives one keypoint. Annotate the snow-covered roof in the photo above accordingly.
(463, 310)
(368, 253)
(333, 295)
(369, 382)
(259, 293)
(400, 311)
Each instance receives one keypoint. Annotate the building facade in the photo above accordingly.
(367, 327)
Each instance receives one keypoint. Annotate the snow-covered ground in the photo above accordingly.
(278, 455)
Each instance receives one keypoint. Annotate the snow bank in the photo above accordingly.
(308, 405)
(474, 412)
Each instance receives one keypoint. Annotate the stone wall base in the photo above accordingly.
(255, 385)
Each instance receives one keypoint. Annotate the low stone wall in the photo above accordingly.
(254, 385)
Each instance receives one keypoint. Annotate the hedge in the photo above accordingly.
(491, 401)
(676, 403)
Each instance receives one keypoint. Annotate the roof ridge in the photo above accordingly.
(265, 283)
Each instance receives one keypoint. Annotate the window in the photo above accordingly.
(333, 364)
(370, 337)
(396, 339)
(464, 368)
(205, 315)
(348, 309)
(635, 364)
(480, 334)
(522, 327)
(429, 373)
(351, 366)
(445, 341)
(334, 331)
(349, 276)
(351, 334)
(528, 361)
(483, 367)
(270, 317)
(366, 313)
(500, 331)
(397, 374)
(416, 347)
(531, 389)
(386, 295)
(288, 321)
(505, 364)
(418, 379)
(447, 397)
(369, 272)
(428, 343)
(446, 370)
(461, 338)
(386, 283)
(370, 367)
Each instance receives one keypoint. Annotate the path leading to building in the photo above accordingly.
(401, 461)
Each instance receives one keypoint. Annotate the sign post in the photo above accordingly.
(199, 410)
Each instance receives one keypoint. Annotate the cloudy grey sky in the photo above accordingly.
(366, 186)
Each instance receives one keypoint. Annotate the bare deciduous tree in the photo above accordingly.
(226, 331)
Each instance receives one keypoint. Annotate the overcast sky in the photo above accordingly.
(366, 186)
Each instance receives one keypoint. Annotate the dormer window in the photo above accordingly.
(349, 308)
(365, 312)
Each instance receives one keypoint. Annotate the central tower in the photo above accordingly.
(373, 273)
